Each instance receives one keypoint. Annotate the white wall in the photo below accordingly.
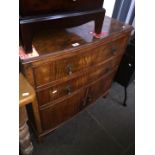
(109, 6)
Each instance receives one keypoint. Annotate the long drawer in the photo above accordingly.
(53, 92)
(54, 70)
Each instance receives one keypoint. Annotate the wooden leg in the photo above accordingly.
(26, 37)
(25, 143)
(99, 22)
(24, 140)
(105, 94)
(40, 139)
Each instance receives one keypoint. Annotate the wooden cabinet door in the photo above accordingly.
(99, 88)
(56, 114)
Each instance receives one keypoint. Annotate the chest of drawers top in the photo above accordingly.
(40, 7)
(53, 43)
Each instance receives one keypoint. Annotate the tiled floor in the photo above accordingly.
(104, 128)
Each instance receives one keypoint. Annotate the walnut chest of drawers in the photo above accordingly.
(67, 78)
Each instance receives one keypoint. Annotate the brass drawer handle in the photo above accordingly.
(108, 70)
(89, 99)
(68, 89)
(114, 49)
(84, 102)
(69, 69)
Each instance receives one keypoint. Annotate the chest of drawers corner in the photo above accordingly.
(70, 79)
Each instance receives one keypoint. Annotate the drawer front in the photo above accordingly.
(62, 111)
(68, 66)
(34, 7)
(55, 92)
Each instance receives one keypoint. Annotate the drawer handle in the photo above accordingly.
(84, 102)
(69, 69)
(68, 89)
(89, 99)
(108, 69)
(74, 0)
(114, 49)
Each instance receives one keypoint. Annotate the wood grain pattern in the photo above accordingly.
(62, 111)
(53, 43)
(38, 14)
(53, 92)
(68, 66)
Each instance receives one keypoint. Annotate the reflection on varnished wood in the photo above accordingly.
(53, 40)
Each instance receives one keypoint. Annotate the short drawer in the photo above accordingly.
(52, 93)
(61, 68)
(36, 7)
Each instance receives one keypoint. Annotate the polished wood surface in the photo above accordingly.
(30, 26)
(59, 89)
(37, 14)
(53, 42)
(39, 7)
(74, 64)
(61, 111)
(67, 79)
(26, 96)
(26, 91)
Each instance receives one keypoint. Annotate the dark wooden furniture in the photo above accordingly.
(68, 78)
(126, 69)
(39, 14)
(26, 96)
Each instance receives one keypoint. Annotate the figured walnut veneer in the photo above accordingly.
(67, 79)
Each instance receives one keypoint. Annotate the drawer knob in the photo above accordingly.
(89, 99)
(74, 0)
(114, 49)
(69, 69)
(84, 102)
(68, 89)
(108, 69)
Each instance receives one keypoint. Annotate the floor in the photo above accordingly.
(104, 128)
